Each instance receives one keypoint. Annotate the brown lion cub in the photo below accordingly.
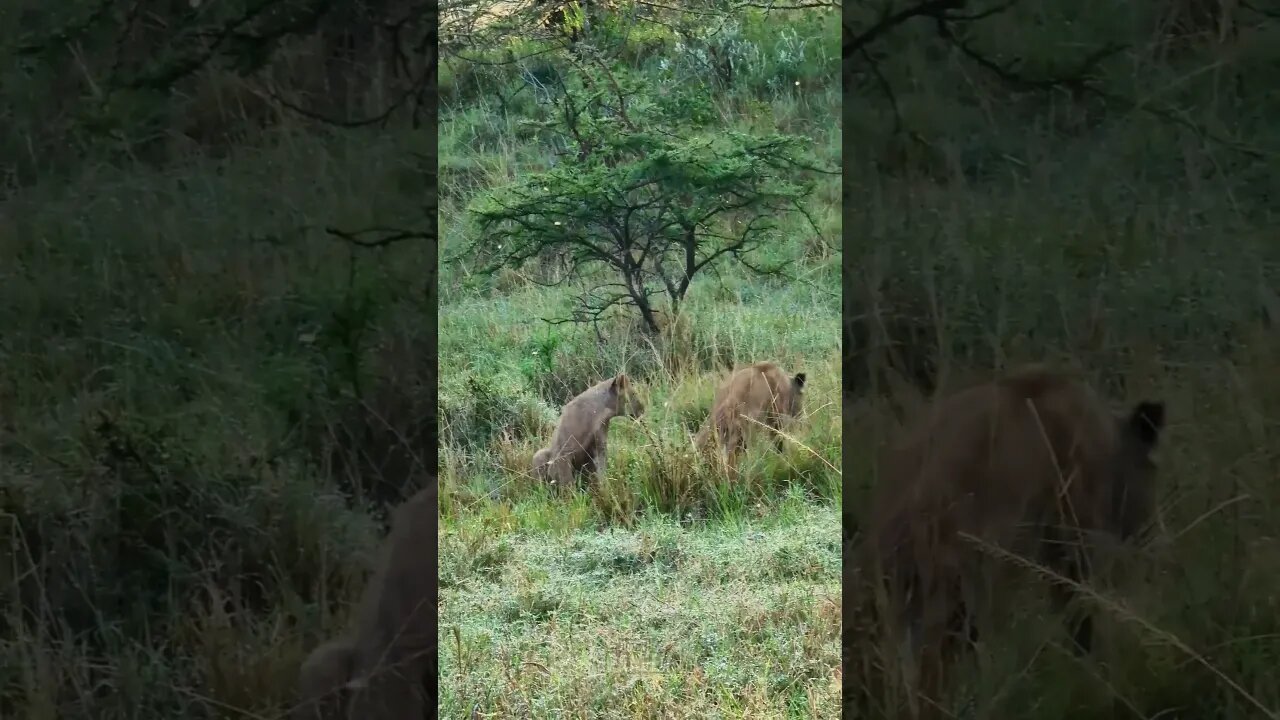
(758, 395)
(386, 668)
(1032, 464)
(580, 441)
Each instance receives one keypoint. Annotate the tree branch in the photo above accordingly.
(383, 236)
(1080, 81)
(929, 8)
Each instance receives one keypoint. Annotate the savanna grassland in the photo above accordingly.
(210, 388)
(1091, 184)
(664, 591)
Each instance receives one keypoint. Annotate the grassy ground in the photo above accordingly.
(734, 617)
(728, 592)
(664, 591)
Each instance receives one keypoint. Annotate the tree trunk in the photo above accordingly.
(646, 310)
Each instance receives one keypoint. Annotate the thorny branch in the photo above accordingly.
(1265, 12)
(246, 41)
(1082, 79)
(796, 6)
(646, 235)
(376, 237)
(889, 21)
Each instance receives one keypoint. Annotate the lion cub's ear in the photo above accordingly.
(619, 381)
(799, 380)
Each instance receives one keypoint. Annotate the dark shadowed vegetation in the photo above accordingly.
(1093, 184)
(216, 278)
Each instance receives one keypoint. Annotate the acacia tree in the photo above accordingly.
(644, 190)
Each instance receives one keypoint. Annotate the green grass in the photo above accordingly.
(499, 401)
(666, 591)
(171, 389)
(733, 618)
(175, 379)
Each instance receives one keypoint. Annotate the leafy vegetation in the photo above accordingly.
(649, 193)
(665, 591)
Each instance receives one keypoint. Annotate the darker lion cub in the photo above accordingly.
(1034, 465)
(386, 667)
(580, 441)
(758, 395)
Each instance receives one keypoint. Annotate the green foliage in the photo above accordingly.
(669, 184)
(626, 144)
(492, 405)
(541, 357)
(650, 196)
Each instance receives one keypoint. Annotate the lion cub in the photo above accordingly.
(580, 441)
(384, 667)
(1033, 464)
(757, 397)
